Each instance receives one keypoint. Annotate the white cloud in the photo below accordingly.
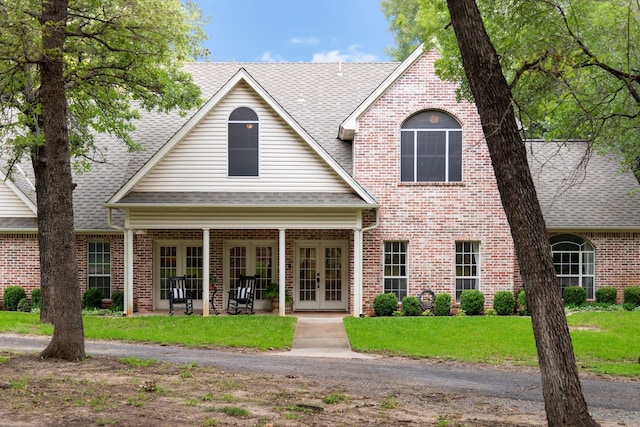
(268, 57)
(353, 54)
(304, 40)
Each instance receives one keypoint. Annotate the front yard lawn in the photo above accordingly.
(604, 342)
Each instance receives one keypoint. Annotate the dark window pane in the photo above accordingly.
(455, 156)
(243, 114)
(431, 156)
(243, 149)
(431, 120)
(407, 156)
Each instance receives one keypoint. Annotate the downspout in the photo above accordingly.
(375, 225)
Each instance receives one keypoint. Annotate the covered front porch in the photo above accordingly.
(314, 254)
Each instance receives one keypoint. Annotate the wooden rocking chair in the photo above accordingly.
(241, 298)
(179, 294)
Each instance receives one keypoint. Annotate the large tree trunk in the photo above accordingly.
(564, 402)
(54, 189)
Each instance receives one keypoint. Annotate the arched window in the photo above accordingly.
(431, 148)
(243, 142)
(573, 258)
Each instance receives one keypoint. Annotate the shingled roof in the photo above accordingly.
(319, 96)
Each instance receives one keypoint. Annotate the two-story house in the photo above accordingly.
(338, 181)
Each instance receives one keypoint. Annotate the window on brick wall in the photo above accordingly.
(431, 148)
(243, 142)
(467, 266)
(395, 269)
(99, 268)
(573, 259)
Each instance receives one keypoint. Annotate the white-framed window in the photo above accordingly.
(431, 148)
(243, 142)
(396, 269)
(99, 267)
(574, 262)
(467, 266)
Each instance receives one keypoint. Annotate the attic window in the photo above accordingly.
(243, 132)
(431, 148)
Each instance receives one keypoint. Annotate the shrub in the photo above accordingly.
(632, 295)
(629, 306)
(410, 306)
(472, 302)
(442, 305)
(36, 297)
(504, 303)
(117, 298)
(574, 296)
(24, 306)
(385, 304)
(12, 296)
(522, 304)
(92, 298)
(606, 295)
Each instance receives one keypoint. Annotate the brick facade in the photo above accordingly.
(431, 217)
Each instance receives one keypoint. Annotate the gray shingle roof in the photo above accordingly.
(574, 195)
(319, 97)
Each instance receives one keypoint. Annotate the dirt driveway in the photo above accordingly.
(211, 387)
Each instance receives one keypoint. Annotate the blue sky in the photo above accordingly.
(296, 30)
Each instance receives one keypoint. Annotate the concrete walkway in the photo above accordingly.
(322, 335)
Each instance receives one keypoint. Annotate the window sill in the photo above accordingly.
(431, 184)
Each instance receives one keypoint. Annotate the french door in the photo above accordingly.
(248, 258)
(321, 276)
(178, 258)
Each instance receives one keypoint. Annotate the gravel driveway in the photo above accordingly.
(615, 400)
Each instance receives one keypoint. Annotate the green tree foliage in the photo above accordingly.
(573, 67)
(69, 70)
(120, 57)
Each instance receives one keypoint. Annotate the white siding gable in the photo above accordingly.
(198, 162)
(11, 205)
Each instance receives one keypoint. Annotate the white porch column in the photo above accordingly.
(357, 272)
(281, 271)
(128, 272)
(205, 271)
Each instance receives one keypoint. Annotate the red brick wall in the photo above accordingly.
(19, 262)
(431, 217)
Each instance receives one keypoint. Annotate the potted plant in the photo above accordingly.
(272, 292)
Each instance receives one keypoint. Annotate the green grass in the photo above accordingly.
(260, 332)
(604, 342)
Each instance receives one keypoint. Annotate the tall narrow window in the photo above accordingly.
(99, 267)
(467, 267)
(573, 259)
(395, 269)
(431, 148)
(243, 142)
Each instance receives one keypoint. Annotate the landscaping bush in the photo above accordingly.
(632, 296)
(606, 295)
(385, 304)
(410, 306)
(574, 296)
(504, 303)
(12, 296)
(472, 302)
(522, 304)
(117, 298)
(442, 305)
(24, 306)
(36, 297)
(92, 298)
